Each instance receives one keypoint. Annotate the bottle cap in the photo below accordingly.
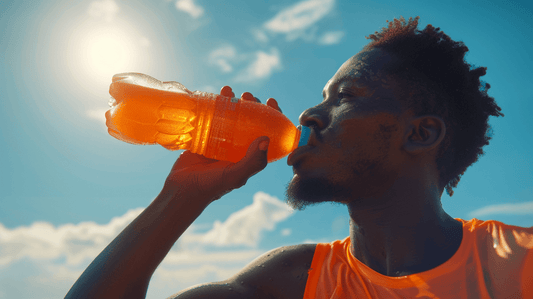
(304, 136)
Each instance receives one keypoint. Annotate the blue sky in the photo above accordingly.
(68, 188)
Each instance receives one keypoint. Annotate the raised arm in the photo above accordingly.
(124, 268)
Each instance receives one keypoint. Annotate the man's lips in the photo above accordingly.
(297, 154)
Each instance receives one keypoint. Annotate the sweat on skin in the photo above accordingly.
(372, 154)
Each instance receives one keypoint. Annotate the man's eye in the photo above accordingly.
(343, 95)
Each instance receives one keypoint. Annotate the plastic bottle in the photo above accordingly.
(145, 110)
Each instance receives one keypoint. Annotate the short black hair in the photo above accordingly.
(435, 79)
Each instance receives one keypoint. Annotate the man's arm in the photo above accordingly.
(124, 268)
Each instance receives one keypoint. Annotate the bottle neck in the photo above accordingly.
(304, 135)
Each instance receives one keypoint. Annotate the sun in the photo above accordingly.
(97, 51)
(107, 51)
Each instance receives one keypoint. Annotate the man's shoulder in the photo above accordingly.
(289, 256)
(490, 225)
(282, 272)
(279, 273)
(499, 239)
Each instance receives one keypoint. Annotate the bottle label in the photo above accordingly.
(222, 127)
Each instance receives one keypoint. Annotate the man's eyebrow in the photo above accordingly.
(361, 91)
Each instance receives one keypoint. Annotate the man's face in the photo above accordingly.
(355, 146)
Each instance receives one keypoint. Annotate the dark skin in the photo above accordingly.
(380, 161)
(365, 150)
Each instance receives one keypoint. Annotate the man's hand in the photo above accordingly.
(124, 268)
(210, 178)
(227, 92)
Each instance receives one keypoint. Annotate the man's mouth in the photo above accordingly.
(297, 154)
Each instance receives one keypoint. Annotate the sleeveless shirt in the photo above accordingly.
(494, 260)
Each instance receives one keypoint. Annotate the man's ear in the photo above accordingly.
(424, 134)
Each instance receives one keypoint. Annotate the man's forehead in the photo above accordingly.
(362, 64)
(351, 79)
(326, 87)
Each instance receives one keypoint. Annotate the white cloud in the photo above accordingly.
(190, 7)
(261, 64)
(295, 19)
(260, 35)
(286, 232)
(106, 9)
(331, 37)
(79, 242)
(524, 208)
(223, 57)
(47, 259)
(245, 226)
(75, 243)
(262, 67)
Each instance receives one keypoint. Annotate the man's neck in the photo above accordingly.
(403, 236)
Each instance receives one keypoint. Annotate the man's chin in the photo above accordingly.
(301, 193)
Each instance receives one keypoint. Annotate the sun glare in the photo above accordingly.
(98, 51)
(107, 51)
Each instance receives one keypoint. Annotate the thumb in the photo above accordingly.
(254, 161)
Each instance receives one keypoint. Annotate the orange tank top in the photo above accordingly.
(494, 260)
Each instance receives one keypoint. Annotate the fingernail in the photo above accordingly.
(263, 145)
(248, 96)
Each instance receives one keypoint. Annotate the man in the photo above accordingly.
(399, 123)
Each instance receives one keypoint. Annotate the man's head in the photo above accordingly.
(408, 98)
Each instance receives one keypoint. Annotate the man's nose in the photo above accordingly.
(312, 117)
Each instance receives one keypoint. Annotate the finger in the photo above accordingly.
(274, 104)
(247, 96)
(187, 158)
(227, 92)
(254, 161)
